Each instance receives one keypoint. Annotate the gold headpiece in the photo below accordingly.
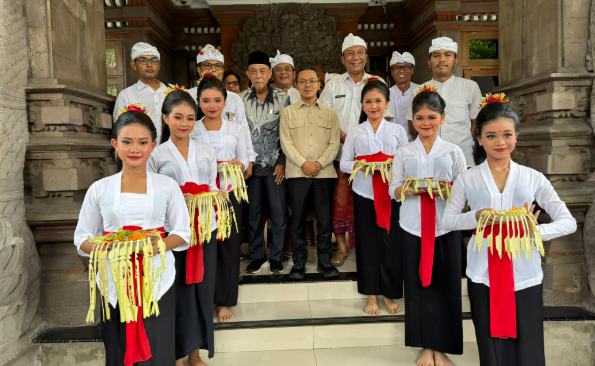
(174, 87)
(371, 78)
(491, 98)
(428, 87)
(133, 107)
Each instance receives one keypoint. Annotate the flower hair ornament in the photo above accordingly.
(427, 87)
(371, 78)
(492, 98)
(206, 74)
(139, 107)
(174, 87)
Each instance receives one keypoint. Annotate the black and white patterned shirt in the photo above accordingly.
(263, 120)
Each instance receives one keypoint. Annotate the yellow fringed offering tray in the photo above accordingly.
(384, 167)
(516, 240)
(237, 179)
(418, 183)
(202, 203)
(122, 248)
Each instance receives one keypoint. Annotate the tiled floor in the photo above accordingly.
(355, 356)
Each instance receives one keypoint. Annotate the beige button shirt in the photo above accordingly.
(309, 134)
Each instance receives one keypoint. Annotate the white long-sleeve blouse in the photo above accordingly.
(445, 161)
(476, 186)
(361, 140)
(106, 208)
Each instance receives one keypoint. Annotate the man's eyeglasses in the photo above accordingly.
(303, 82)
(143, 61)
(232, 84)
(404, 68)
(209, 66)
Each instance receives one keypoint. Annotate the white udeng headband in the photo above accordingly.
(444, 44)
(402, 58)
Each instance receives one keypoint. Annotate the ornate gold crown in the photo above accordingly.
(492, 98)
(174, 87)
(428, 87)
(139, 107)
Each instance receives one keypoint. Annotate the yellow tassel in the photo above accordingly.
(202, 204)
(237, 180)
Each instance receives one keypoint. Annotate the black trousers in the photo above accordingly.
(228, 261)
(303, 191)
(257, 187)
(194, 303)
(433, 314)
(160, 331)
(378, 253)
(525, 350)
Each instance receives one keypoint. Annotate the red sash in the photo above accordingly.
(382, 199)
(501, 273)
(195, 268)
(137, 343)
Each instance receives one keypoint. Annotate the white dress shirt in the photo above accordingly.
(361, 140)
(106, 208)
(234, 111)
(344, 96)
(476, 186)
(200, 168)
(445, 161)
(144, 94)
(294, 95)
(463, 101)
(400, 102)
(229, 141)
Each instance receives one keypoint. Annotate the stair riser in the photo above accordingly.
(318, 337)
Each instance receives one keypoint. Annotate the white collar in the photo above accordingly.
(205, 135)
(117, 189)
(447, 82)
(505, 199)
(422, 150)
(140, 85)
(189, 168)
(347, 77)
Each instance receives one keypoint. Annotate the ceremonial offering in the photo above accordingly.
(237, 179)
(516, 227)
(130, 255)
(384, 167)
(426, 183)
(202, 203)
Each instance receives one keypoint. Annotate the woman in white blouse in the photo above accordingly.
(431, 254)
(377, 245)
(193, 165)
(137, 198)
(498, 183)
(229, 141)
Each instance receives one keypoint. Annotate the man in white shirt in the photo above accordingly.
(210, 61)
(343, 93)
(462, 97)
(145, 59)
(283, 74)
(402, 67)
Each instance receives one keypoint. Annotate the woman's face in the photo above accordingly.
(211, 103)
(232, 84)
(427, 122)
(181, 120)
(374, 104)
(498, 138)
(134, 145)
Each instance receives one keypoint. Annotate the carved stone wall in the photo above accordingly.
(19, 263)
(307, 34)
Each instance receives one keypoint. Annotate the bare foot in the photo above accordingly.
(223, 313)
(372, 307)
(441, 359)
(426, 358)
(392, 306)
(194, 359)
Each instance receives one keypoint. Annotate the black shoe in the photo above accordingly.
(256, 265)
(275, 266)
(298, 272)
(328, 270)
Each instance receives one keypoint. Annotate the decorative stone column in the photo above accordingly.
(543, 69)
(19, 263)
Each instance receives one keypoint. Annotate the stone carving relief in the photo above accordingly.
(589, 244)
(282, 27)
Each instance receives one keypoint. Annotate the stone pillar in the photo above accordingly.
(19, 263)
(543, 69)
(69, 119)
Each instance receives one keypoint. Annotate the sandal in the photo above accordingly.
(340, 263)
